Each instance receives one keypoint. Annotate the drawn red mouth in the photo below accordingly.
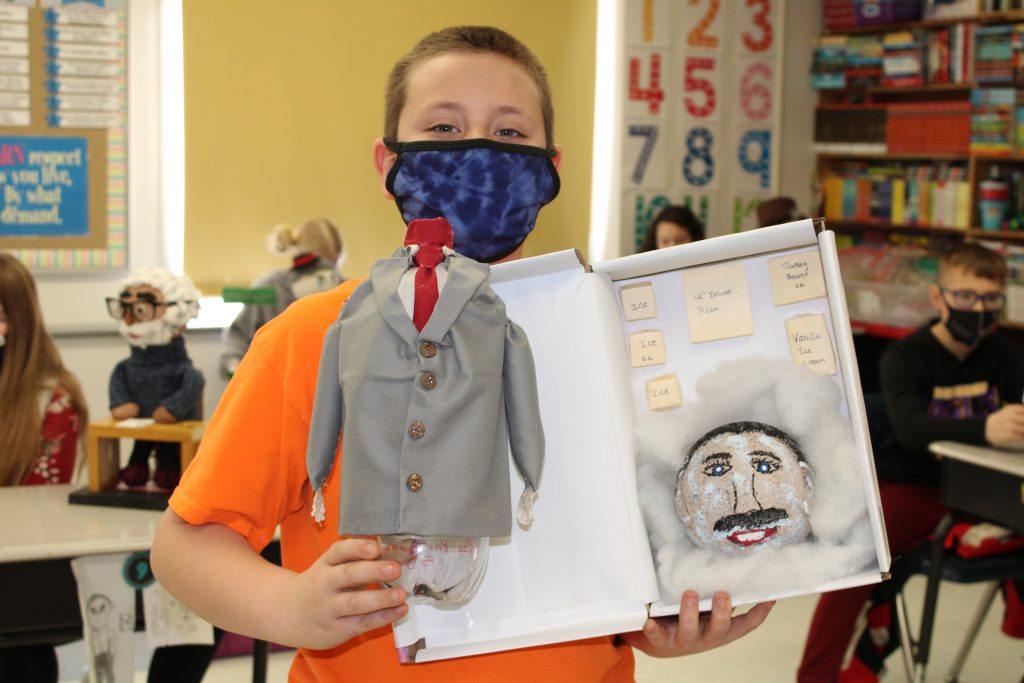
(752, 536)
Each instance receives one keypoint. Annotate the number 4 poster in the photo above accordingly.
(701, 110)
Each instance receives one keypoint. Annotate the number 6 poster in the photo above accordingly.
(701, 110)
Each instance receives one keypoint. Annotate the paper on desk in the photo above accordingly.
(108, 617)
(168, 622)
(136, 422)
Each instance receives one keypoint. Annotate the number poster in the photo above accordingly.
(701, 110)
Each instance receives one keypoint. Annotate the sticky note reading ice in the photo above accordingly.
(717, 302)
(638, 301)
(646, 348)
(663, 393)
(796, 277)
(810, 344)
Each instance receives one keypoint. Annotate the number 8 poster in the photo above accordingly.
(701, 110)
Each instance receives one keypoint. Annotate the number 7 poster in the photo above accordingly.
(700, 111)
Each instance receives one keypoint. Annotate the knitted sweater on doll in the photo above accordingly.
(158, 376)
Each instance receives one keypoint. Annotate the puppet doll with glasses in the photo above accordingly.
(158, 379)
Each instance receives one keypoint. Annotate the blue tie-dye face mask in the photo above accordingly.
(489, 191)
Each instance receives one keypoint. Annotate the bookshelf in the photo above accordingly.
(908, 131)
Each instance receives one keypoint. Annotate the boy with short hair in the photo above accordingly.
(954, 379)
(485, 92)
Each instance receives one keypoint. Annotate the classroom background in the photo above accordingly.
(239, 116)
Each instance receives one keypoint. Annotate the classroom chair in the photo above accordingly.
(939, 565)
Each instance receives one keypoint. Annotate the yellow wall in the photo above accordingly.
(283, 100)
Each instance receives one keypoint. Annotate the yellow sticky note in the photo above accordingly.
(797, 277)
(663, 393)
(638, 301)
(717, 302)
(810, 344)
(646, 348)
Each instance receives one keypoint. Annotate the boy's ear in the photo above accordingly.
(383, 160)
(935, 296)
(557, 159)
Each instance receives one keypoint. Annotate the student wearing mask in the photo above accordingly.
(463, 97)
(955, 379)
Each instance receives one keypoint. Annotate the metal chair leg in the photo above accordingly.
(972, 631)
(907, 643)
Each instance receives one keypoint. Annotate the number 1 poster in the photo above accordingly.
(701, 110)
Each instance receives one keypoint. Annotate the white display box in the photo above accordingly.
(586, 566)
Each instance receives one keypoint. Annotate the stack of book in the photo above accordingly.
(895, 194)
(999, 53)
(994, 121)
(929, 127)
(864, 56)
(850, 129)
(903, 59)
(949, 54)
(828, 67)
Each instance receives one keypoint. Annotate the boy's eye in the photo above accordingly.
(443, 128)
(508, 133)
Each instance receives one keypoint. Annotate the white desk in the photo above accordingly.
(40, 534)
(1010, 462)
(40, 524)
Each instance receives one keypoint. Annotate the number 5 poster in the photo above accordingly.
(701, 110)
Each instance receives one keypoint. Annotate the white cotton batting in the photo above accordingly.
(806, 406)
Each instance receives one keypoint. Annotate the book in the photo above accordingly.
(762, 312)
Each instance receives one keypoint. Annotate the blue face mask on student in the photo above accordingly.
(489, 191)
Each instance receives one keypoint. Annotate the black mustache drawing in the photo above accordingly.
(752, 519)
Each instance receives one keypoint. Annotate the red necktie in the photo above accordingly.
(430, 234)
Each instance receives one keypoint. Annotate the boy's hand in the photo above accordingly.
(690, 632)
(1005, 425)
(125, 411)
(331, 599)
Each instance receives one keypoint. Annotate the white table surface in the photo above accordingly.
(1011, 462)
(38, 523)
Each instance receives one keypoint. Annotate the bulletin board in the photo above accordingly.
(62, 133)
(701, 103)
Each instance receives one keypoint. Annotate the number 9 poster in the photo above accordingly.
(701, 111)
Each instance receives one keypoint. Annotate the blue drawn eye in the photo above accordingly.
(717, 469)
(765, 467)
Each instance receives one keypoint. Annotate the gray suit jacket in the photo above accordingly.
(427, 416)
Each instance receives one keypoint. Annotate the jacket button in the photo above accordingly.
(428, 349)
(414, 482)
(428, 380)
(417, 429)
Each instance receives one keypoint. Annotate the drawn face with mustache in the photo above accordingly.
(745, 486)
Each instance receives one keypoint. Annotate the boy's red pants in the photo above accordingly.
(911, 514)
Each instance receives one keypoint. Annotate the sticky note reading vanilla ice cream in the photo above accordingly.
(810, 344)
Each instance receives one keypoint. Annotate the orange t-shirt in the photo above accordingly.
(250, 475)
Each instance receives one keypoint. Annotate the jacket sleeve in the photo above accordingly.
(183, 402)
(328, 416)
(119, 391)
(522, 407)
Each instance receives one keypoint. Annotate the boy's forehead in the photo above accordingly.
(471, 78)
(959, 277)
